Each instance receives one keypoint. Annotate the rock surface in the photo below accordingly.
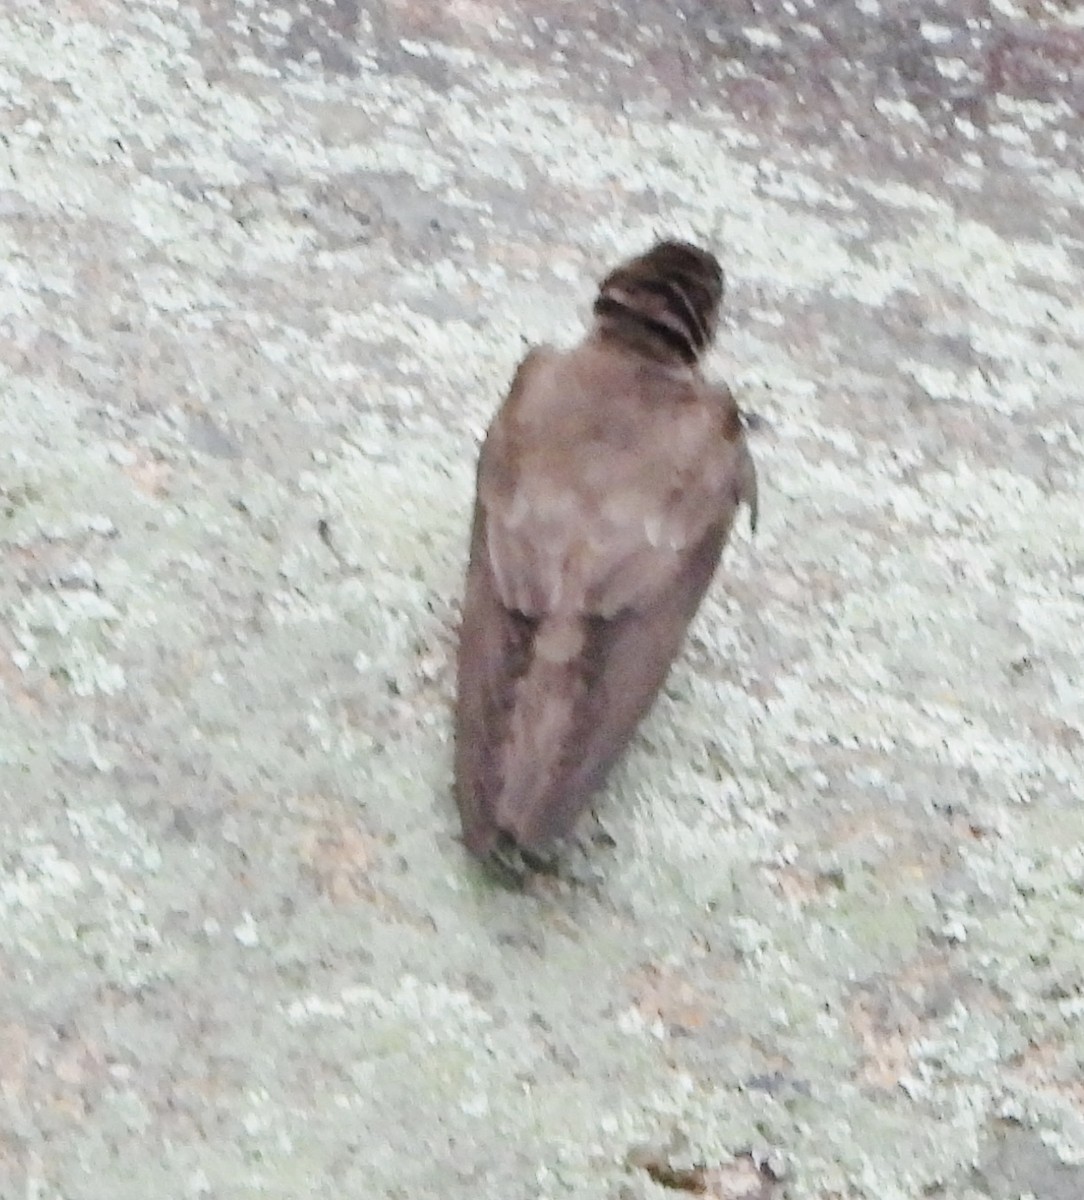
(266, 269)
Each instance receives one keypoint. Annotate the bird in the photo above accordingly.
(607, 485)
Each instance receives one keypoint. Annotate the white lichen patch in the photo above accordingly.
(39, 880)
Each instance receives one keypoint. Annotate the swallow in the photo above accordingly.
(607, 485)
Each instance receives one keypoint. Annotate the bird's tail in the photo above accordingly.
(541, 731)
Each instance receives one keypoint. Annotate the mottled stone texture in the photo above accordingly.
(265, 270)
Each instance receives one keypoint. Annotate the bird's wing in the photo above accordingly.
(495, 647)
(494, 651)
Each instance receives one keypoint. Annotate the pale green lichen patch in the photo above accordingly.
(266, 271)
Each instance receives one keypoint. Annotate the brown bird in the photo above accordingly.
(607, 486)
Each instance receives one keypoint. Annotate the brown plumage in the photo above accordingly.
(607, 485)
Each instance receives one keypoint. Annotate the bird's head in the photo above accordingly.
(665, 301)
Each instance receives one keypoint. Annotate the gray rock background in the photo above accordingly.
(265, 271)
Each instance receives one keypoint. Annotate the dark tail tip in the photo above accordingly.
(673, 291)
